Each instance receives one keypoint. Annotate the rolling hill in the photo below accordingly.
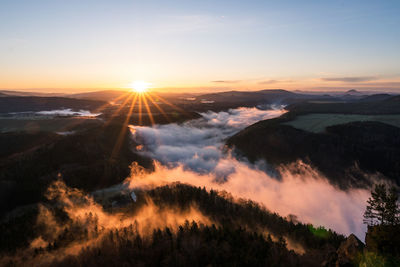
(347, 153)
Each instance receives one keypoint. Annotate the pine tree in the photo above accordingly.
(392, 207)
(382, 206)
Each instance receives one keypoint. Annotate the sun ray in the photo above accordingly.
(100, 109)
(158, 107)
(170, 104)
(118, 110)
(148, 109)
(124, 129)
(131, 109)
(140, 109)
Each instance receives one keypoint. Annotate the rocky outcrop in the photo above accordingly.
(349, 251)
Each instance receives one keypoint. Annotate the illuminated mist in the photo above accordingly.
(89, 223)
(193, 153)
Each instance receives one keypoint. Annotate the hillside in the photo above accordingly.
(105, 95)
(89, 159)
(371, 105)
(227, 233)
(346, 153)
(174, 225)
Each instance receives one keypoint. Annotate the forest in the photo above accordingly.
(347, 154)
(241, 232)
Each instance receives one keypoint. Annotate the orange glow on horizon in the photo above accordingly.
(308, 83)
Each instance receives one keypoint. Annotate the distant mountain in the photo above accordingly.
(353, 92)
(120, 95)
(340, 92)
(212, 101)
(375, 97)
(33, 103)
(268, 96)
(247, 96)
(105, 95)
(23, 93)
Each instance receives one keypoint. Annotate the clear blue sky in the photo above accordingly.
(199, 45)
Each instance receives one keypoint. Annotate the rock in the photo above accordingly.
(349, 250)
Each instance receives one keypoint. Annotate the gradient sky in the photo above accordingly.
(203, 45)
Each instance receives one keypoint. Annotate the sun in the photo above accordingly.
(140, 86)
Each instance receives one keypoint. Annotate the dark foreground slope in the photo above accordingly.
(346, 153)
(193, 245)
(242, 233)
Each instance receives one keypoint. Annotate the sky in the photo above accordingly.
(73, 46)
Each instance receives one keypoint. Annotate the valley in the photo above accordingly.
(197, 163)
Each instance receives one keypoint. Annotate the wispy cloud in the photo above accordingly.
(226, 81)
(393, 84)
(275, 81)
(350, 79)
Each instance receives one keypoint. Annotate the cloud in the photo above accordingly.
(193, 153)
(226, 81)
(269, 82)
(350, 79)
(197, 143)
(67, 112)
(275, 81)
(301, 191)
(392, 84)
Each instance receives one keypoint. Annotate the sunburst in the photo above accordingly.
(140, 86)
(140, 101)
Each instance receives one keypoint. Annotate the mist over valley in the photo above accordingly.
(199, 133)
(115, 161)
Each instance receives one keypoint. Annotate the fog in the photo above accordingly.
(80, 207)
(197, 144)
(89, 223)
(193, 153)
(64, 112)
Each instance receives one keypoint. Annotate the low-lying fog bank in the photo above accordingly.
(192, 153)
(197, 144)
(63, 112)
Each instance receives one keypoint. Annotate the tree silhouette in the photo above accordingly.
(382, 206)
(392, 207)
